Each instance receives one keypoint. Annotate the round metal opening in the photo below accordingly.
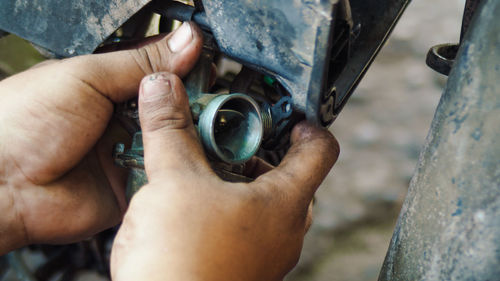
(231, 128)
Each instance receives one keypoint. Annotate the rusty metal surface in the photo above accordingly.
(448, 228)
(67, 28)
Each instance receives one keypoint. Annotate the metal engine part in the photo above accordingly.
(442, 57)
(313, 52)
(231, 128)
(318, 50)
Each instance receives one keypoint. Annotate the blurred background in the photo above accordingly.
(380, 131)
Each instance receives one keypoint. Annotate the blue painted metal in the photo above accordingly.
(309, 46)
(449, 226)
(66, 28)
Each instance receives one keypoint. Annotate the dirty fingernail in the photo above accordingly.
(154, 87)
(181, 38)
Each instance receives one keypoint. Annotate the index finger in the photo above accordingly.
(312, 154)
(117, 75)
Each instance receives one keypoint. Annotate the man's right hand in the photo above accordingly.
(188, 224)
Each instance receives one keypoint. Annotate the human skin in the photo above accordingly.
(59, 184)
(57, 177)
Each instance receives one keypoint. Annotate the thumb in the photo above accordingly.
(171, 146)
(117, 74)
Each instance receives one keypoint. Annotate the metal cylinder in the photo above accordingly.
(231, 128)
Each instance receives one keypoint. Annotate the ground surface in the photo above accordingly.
(380, 132)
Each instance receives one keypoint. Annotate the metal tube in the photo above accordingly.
(181, 12)
(449, 226)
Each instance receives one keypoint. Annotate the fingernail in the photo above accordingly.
(181, 38)
(154, 87)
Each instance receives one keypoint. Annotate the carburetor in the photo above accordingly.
(231, 126)
(301, 59)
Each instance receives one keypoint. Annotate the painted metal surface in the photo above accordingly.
(309, 46)
(449, 226)
(66, 28)
(286, 39)
(294, 41)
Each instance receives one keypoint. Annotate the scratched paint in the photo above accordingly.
(458, 211)
(456, 235)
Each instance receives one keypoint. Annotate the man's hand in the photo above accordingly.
(187, 224)
(58, 182)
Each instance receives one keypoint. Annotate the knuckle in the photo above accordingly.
(166, 117)
(327, 140)
(332, 143)
(158, 57)
(255, 197)
(328, 149)
(276, 190)
(142, 60)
